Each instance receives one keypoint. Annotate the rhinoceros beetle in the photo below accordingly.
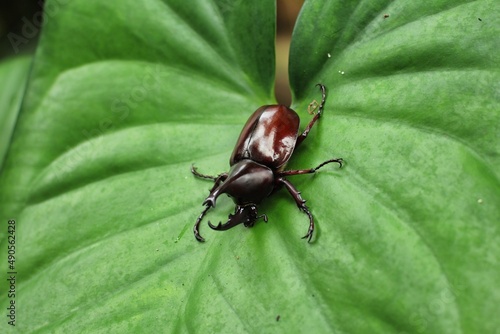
(257, 163)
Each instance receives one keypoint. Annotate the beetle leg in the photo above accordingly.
(196, 226)
(194, 170)
(304, 134)
(215, 191)
(220, 178)
(210, 200)
(301, 203)
(310, 171)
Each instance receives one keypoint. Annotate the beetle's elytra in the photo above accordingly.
(257, 163)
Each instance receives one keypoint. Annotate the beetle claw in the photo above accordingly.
(199, 237)
(196, 227)
(308, 236)
(310, 231)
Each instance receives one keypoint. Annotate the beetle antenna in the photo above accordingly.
(196, 226)
(195, 172)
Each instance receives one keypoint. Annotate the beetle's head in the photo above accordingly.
(246, 215)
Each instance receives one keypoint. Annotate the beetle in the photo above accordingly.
(257, 165)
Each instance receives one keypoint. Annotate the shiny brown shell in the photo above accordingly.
(268, 137)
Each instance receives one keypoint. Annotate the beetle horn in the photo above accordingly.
(223, 227)
(242, 215)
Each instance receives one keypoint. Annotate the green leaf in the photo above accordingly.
(124, 97)
(413, 108)
(13, 75)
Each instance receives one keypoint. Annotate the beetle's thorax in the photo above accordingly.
(248, 182)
